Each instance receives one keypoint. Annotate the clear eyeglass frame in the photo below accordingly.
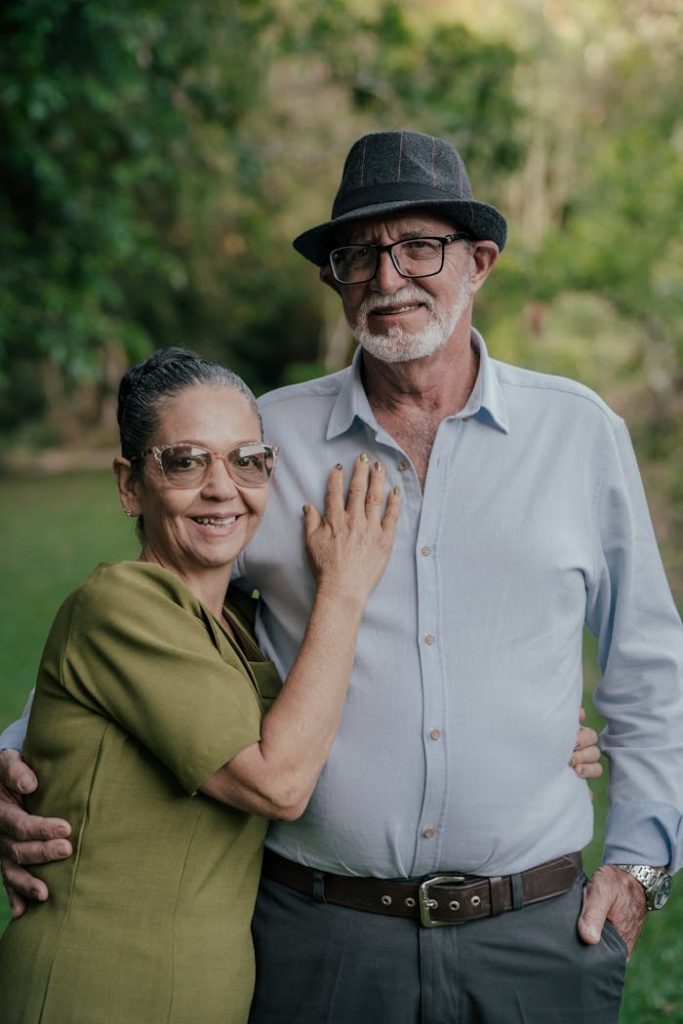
(205, 458)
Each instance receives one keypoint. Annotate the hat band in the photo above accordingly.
(393, 192)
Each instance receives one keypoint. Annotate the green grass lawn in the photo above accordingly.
(56, 529)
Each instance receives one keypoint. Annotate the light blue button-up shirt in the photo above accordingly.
(463, 706)
(462, 710)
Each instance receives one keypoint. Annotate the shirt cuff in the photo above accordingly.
(644, 832)
(14, 736)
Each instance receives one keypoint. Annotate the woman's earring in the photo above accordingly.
(127, 511)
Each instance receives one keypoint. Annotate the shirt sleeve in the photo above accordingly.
(14, 735)
(140, 651)
(632, 612)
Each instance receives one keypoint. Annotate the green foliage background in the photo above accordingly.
(157, 158)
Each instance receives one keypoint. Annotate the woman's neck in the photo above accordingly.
(208, 584)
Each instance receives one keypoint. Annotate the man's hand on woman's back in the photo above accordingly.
(25, 839)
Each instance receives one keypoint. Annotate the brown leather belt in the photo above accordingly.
(438, 899)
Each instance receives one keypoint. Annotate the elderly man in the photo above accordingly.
(435, 875)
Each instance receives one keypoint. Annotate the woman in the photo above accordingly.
(160, 732)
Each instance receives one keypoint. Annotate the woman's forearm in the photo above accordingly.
(275, 777)
(348, 549)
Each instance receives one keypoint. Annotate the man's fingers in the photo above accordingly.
(596, 904)
(15, 774)
(613, 895)
(16, 825)
(36, 852)
(21, 885)
(17, 903)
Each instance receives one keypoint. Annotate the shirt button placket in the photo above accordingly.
(431, 825)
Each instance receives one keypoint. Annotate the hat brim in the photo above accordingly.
(481, 221)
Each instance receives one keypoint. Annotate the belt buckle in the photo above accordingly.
(427, 903)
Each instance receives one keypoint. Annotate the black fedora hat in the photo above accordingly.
(387, 172)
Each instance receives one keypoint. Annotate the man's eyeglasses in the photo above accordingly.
(412, 257)
(187, 465)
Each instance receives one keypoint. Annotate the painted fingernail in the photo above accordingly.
(363, 457)
(306, 509)
(339, 466)
(377, 466)
(572, 761)
(397, 490)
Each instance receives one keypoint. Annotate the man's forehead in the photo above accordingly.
(416, 222)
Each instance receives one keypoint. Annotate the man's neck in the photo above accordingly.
(409, 400)
(440, 384)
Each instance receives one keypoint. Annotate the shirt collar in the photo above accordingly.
(486, 401)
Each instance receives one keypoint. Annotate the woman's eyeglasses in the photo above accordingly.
(188, 465)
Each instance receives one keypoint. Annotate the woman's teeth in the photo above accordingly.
(213, 521)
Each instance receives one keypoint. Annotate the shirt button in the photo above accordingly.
(428, 833)
(403, 465)
(429, 639)
(435, 734)
(425, 551)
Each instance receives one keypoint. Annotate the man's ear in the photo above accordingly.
(484, 255)
(128, 486)
(327, 278)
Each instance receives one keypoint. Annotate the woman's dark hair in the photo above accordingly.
(145, 386)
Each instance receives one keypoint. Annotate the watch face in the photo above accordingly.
(659, 894)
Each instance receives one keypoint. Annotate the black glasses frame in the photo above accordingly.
(457, 236)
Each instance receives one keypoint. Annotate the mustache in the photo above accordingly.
(410, 293)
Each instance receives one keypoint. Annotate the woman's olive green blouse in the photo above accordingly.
(140, 697)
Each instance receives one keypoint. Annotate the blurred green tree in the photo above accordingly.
(104, 161)
(157, 158)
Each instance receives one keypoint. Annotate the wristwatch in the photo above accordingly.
(655, 882)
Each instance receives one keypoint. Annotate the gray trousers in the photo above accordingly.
(322, 964)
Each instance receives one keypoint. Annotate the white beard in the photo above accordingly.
(399, 345)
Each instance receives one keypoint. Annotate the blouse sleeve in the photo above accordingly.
(140, 651)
